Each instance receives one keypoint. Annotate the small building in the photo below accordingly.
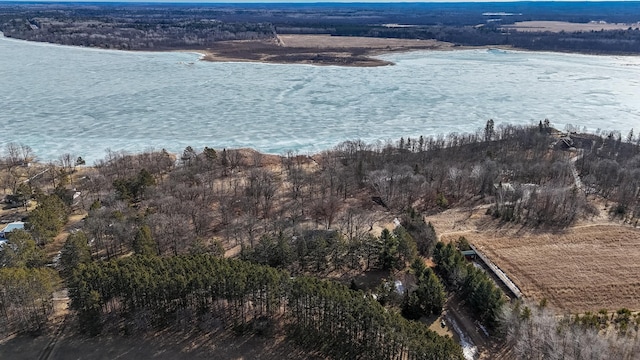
(469, 254)
(506, 187)
(16, 225)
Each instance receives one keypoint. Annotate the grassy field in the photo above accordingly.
(317, 49)
(558, 26)
(588, 267)
(584, 269)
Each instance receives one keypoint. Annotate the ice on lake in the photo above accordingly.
(60, 99)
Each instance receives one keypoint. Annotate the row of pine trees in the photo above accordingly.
(318, 314)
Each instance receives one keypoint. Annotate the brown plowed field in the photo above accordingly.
(584, 268)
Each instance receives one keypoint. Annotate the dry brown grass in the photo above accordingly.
(557, 26)
(588, 267)
(53, 248)
(317, 50)
(350, 42)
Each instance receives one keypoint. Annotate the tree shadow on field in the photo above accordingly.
(168, 344)
(177, 346)
(23, 347)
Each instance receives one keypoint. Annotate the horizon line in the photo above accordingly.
(296, 2)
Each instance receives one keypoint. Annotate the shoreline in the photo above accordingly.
(322, 50)
(342, 51)
(356, 101)
(373, 60)
(322, 61)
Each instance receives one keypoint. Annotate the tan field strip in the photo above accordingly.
(349, 42)
(582, 269)
(557, 26)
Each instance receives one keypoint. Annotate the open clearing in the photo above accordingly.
(558, 26)
(588, 267)
(349, 42)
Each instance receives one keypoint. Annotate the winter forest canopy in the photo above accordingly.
(292, 220)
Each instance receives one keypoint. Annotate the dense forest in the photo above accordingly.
(126, 28)
(142, 26)
(149, 252)
(320, 314)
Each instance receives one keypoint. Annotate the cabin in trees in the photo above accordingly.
(16, 225)
(566, 142)
(469, 254)
(506, 187)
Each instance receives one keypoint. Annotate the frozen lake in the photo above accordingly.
(60, 99)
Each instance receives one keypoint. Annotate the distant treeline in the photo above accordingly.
(450, 14)
(611, 41)
(134, 26)
(117, 28)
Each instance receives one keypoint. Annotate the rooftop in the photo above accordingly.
(16, 225)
